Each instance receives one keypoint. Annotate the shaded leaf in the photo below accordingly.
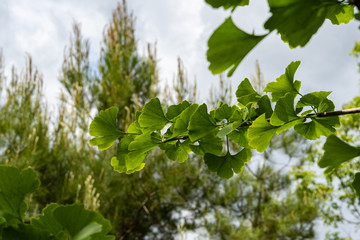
(226, 4)
(178, 151)
(210, 144)
(201, 124)
(264, 106)
(312, 99)
(174, 110)
(182, 122)
(228, 45)
(284, 110)
(104, 129)
(224, 111)
(336, 153)
(226, 166)
(239, 136)
(317, 127)
(356, 184)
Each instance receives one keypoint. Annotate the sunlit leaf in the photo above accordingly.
(228, 45)
(104, 129)
(246, 94)
(227, 165)
(285, 83)
(152, 116)
(260, 133)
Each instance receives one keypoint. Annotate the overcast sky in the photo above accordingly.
(180, 28)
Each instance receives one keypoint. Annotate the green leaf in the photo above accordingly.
(104, 129)
(14, 186)
(201, 124)
(226, 4)
(224, 111)
(210, 144)
(285, 83)
(182, 122)
(356, 184)
(175, 110)
(139, 149)
(264, 106)
(336, 153)
(340, 13)
(246, 94)
(284, 110)
(312, 99)
(227, 165)
(152, 117)
(326, 105)
(298, 20)
(78, 223)
(317, 127)
(178, 151)
(134, 127)
(239, 136)
(260, 134)
(225, 130)
(228, 45)
(26, 232)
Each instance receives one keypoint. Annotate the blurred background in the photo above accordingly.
(84, 57)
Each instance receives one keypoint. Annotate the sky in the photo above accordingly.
(180, 28)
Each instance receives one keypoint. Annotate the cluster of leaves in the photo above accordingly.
(187, 127)
(295, 20)
(56, 221)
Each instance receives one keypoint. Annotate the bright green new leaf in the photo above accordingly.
(152, 116)
(284, 110)
(228, 45)
(77, 222)
(104, 129)
(356, 184)
(326, 105)
(227, 165)
(312, 99)
(226, 4)
(289, 125)
(298, 20)
(336, 153)
(174, 110)
(14, 186)
(139, 149)
(182, 122)
(260, 133)
(178, 151)
(210, 144)
(225, 130)
(201, 124)
(285, 83)
(246, 94)
(317, 127)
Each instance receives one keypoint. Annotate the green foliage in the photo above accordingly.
(295, 20)
(192, 128)
(58, 222)
(226, 4)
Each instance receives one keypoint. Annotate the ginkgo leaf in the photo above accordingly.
(14, 186)
(174, 110)
(119, 162)
(152, 117)
(226, 4)
(317, 127)
(284, 110)
(226, 166)
(73, 221)
(356, 183)
(201, 124)
(312, 99)
(285, 83)
(239, 136)
(228, 45)
(134, 127)
(225, 130)
(246, 94)
(224, 111)
(182, 122)
(336, 153)
(210, 144)
(104, 129)
(178, 151)
(326, 105)
(264, 106)
(260, 133)
(310, 15)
